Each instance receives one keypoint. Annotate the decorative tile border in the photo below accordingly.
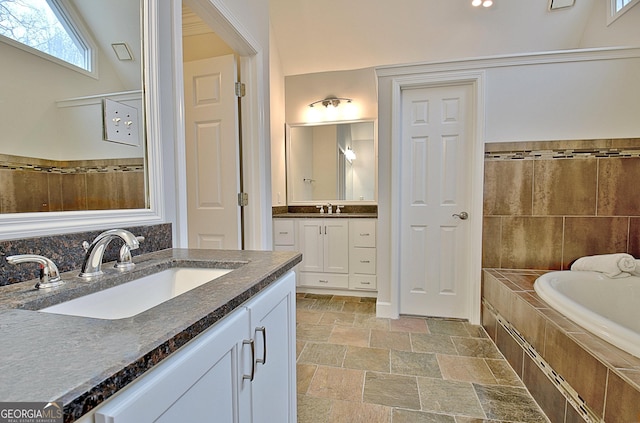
(59, 169)
(569, 153)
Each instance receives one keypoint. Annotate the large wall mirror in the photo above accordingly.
(335, 162)
(61, 163)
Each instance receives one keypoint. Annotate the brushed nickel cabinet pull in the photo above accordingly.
(263, 360)
(253, 357)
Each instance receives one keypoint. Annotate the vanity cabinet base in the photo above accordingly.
(241, 370)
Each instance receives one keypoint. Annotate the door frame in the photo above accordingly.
(254, 123)
(476, 79)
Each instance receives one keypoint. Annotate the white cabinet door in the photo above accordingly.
(311, 241)
(336, 245)
(273, 395)
(202, 382)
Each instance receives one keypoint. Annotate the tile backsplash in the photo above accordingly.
(67, 253)
(548, 203)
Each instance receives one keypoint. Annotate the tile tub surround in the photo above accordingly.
(605, 377)
(567, 198)
(67, 253)
(82, 362)
(353, 367)
(29, 184)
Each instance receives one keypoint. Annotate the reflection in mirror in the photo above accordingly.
(331, 162)
(54, 155)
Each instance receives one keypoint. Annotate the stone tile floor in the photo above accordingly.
(353, 367)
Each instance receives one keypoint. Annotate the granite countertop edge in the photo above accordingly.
(130, 346)
(325, 215)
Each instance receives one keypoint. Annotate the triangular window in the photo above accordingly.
(47, 26)
(618, 7)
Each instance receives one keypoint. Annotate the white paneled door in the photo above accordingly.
(435, 196)
(212, 150)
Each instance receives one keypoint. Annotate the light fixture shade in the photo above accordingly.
(331, 101)
(476, 3)
(349, 154)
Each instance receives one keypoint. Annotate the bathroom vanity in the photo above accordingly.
(338, 250)
(226, 347)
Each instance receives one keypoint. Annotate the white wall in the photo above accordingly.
(563, 101)
(32, 123)
(622, 32)
(302, 90)
(277, 106)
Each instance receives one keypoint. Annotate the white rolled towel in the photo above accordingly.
(636, 271)
(619, 265)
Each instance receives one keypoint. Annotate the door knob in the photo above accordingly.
(461, 215)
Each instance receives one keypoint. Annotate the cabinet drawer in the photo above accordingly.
(363, 282)
(324, 280)
(363, 261)
(283, 232)
(362, 232)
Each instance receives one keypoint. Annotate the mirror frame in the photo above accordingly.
(291, 202)
(24, 225)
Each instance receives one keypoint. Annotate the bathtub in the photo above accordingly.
(608, 308)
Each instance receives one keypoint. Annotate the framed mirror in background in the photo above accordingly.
(333, 162)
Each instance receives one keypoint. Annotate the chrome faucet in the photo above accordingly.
(49, 275)
(95, 251)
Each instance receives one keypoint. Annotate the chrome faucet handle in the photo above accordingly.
(338, 211)
(321, 207)
(49, 274)
(125, 260)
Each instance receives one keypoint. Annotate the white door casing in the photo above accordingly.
(212, 153)
(435, 174)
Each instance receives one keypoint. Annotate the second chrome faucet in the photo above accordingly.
(91, 266)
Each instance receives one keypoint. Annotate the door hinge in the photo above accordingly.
(243, 199)
(240, 89)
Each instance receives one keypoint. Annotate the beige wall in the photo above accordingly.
(549, 203)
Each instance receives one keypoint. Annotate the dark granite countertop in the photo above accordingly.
(325, 215)
(83, 361)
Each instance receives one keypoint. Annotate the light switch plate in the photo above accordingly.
(120, 123)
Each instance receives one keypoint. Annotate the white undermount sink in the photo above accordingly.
(141, 294)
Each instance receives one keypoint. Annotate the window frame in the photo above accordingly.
(614, 13)
(73, 24)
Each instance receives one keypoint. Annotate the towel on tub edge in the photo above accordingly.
(619, 265)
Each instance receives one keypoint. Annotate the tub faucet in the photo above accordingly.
(95, 251)
(49, 275)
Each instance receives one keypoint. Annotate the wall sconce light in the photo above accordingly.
(330, 101)
(484, 3)
(349, 154)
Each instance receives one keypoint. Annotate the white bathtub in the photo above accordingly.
(609, 308)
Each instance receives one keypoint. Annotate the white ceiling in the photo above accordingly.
(325, 35)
